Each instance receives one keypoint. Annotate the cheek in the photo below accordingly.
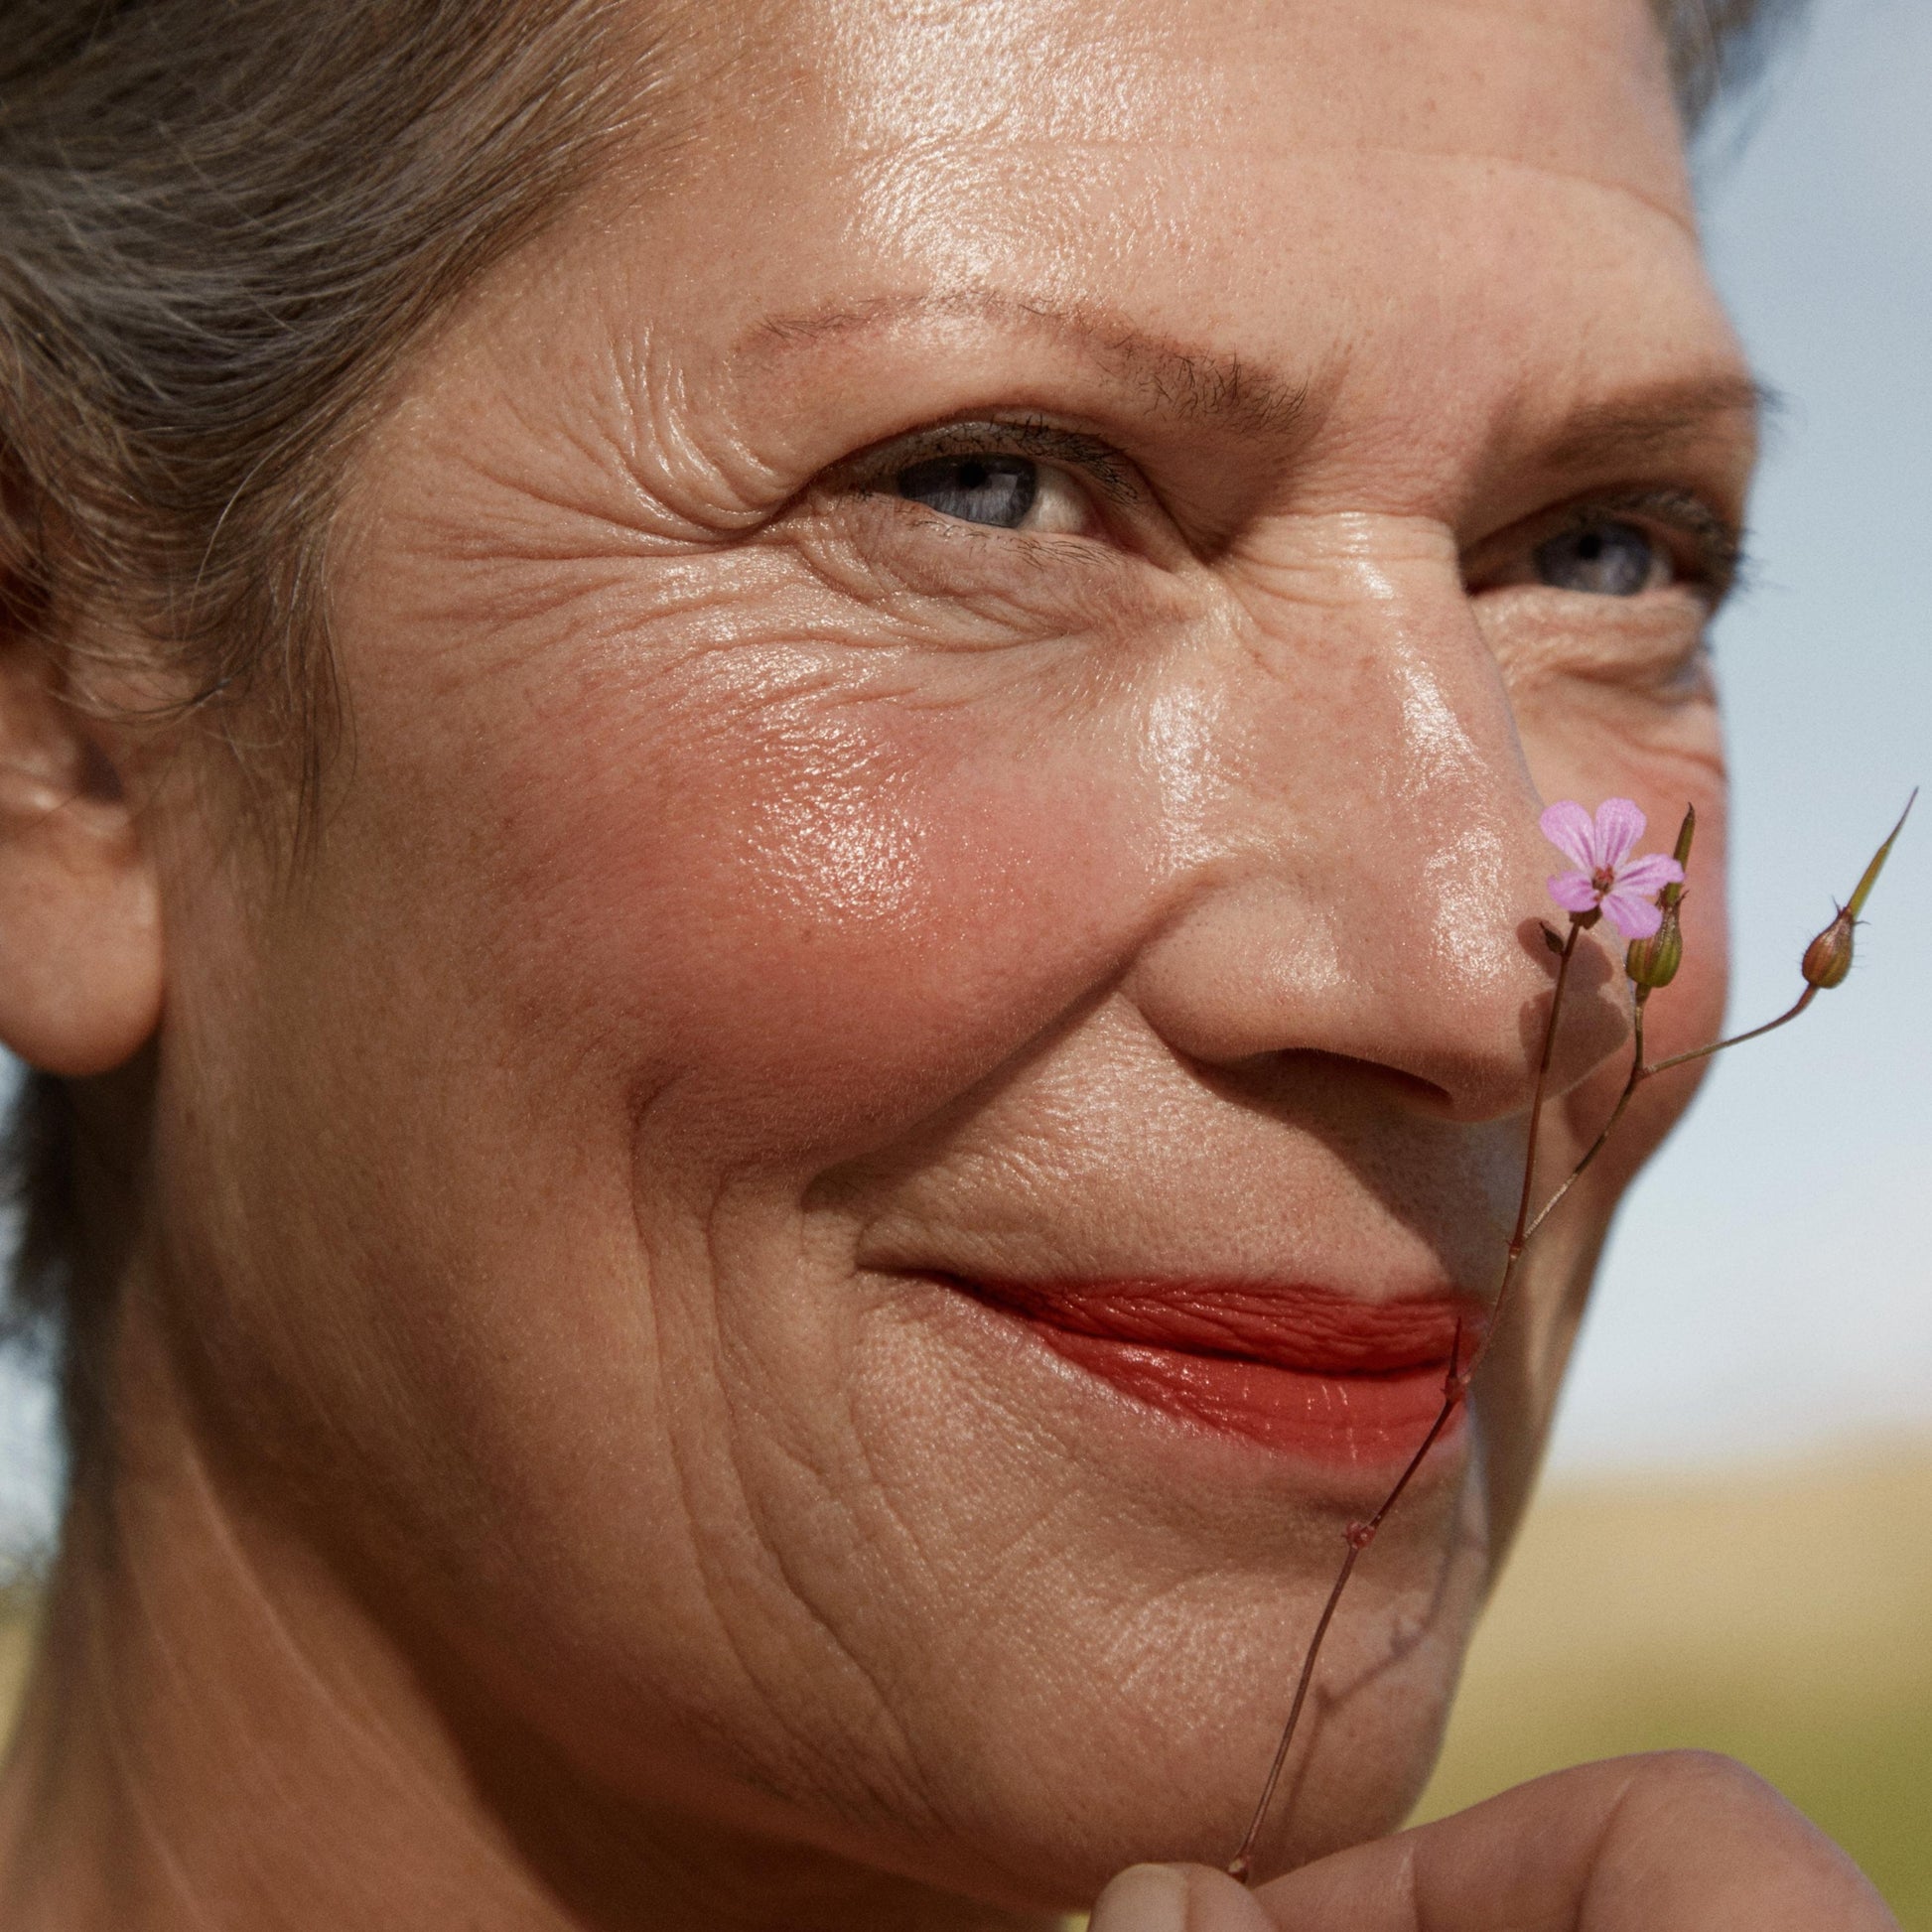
(820, 914)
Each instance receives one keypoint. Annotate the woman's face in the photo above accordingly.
(949, 687)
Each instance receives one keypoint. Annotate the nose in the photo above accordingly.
(1356, 869)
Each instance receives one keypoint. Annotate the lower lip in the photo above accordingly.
(1300, 1370)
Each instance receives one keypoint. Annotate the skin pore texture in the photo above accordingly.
(562, 1473)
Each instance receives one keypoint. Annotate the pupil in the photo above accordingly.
(992, 489)
(1603, 560)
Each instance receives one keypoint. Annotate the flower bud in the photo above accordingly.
(1829, 957)
(1687, 830)
(1653, 962)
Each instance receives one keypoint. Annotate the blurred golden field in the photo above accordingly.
(1784, 1616)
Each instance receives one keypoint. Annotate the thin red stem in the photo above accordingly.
(1541, 1086)
(1736, 1039)
(1456, 1384)
(1637, 1072)
(1238, 1866)
(1455, 1387)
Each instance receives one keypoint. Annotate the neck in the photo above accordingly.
(218, 1733)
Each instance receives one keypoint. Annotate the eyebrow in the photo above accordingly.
(1658, 420)
(1188, 382)
(1222, 390)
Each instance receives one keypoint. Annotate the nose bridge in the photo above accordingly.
(1386, 739)
(1374, 858)
(1434, 806)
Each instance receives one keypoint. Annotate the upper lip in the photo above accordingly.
(1305, 1327)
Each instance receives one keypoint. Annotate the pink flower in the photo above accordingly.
(1607, 876)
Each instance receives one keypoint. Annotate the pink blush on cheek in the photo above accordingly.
(825, 935)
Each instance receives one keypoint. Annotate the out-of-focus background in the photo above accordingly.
(1733, 1547)
(1781, 1612)
(1733, 1544)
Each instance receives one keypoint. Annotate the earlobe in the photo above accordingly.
(80, 954)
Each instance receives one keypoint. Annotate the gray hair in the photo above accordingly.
(1718, 46)
(221, 221)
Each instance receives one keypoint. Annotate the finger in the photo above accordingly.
(1674, 1842)
(1176, 1898)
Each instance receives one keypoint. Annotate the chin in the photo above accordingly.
(1138, 1725)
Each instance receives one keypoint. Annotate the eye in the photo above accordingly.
(998, 489)
(1001, 492)
(1604, 558)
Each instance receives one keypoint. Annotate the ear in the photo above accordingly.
(80, 957)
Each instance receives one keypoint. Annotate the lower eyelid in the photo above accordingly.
(1654, 641)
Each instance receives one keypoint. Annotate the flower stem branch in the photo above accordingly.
(1736, 1039)
(1638, 1073)
(1456, 1387)
(1606, 883)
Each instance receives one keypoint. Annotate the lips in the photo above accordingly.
(1299, 1369)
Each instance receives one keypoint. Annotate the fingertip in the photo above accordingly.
(1143, 1898)
(1176, 1898)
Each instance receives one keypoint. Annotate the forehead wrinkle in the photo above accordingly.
(1192, 382)
(1681, 215)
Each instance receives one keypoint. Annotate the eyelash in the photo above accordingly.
(1718, 558)
(1032, 437)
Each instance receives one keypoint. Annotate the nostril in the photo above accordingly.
(1275, 1080)
(1593, 1026)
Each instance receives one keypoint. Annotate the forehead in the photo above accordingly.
(1577, 85)
(913, 106)
(1424, 208)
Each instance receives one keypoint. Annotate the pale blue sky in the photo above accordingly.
(1771, 1284)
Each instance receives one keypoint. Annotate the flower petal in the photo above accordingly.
(1619, 825)
(1635, 918)
(1650, 874)
(1566, 826)
(1574, 892)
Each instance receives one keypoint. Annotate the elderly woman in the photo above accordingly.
(770, 779)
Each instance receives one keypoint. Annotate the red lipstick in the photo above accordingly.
(1301, 1369)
